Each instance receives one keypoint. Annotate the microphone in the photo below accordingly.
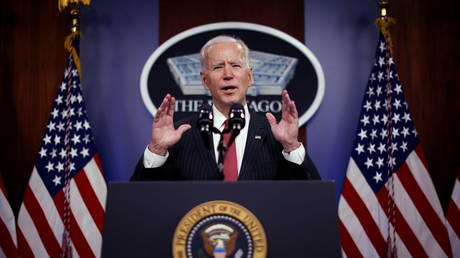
(205, 118)
(236, 117)
(236, 121)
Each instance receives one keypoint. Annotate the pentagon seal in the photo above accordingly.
(278, 60)
(219, 229)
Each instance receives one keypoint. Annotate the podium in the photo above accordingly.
(299, 217)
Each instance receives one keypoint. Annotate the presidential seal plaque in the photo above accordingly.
(219, 229)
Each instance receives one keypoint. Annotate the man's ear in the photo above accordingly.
(204, 80)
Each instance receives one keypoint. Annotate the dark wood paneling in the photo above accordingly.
(179, 15)
(31, 66)
(426, 39)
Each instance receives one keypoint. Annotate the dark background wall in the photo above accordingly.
(32, 61)
(119, 36)
(426, 51)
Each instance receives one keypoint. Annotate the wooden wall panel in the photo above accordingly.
(31, 67)
(426, 39)
(179, 15)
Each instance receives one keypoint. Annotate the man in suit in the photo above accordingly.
(264, 149)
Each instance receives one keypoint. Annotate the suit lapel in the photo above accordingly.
(201, 148)
(255, 138)
(208, 154)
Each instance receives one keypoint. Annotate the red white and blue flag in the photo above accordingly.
(64, 203)
(389, 206)
(453, 218)
(8, 242)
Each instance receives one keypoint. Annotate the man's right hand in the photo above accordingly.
(164, 135)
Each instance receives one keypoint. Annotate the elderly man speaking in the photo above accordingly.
(263, 149)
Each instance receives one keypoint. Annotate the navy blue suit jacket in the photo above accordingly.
(193, 157)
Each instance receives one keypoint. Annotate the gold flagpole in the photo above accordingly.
(384, 22)
(74, 6)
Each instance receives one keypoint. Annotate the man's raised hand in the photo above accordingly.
(164, 135)
(287, 130)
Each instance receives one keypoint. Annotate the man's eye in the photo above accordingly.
(236, 66)
(216, 68)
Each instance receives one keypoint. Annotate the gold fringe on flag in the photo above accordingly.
(75, 30)
(384, 22)
(69, 46)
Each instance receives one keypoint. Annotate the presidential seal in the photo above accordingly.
(219, 229)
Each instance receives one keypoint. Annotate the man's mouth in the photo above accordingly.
(229, 88)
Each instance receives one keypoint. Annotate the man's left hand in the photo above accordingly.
(287, 130)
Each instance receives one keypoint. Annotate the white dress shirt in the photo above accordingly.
(152, 160)
(240, 140)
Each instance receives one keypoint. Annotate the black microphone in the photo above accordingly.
(236, 117)
(236, 121)
(205, 118)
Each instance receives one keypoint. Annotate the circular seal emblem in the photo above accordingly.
(278, 62)
(219, 229)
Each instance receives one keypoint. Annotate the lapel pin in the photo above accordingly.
(258, 137)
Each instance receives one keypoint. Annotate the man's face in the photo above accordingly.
(226, 75)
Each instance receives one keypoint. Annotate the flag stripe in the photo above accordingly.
(58, 201)
(402, 228)
(402, 250)
(348, 246)
(76, 234)
(455, 243)
(7, 244)
(97, 179)
(83, 217)
(90, 199)
(364, 216)
(96, 158)
(436, 228)
(408, 237)
(29, 233)
(24, 250)
(359, 235)
(79, 241)
(356, 178)
(420, 229)
(415, 162)
(453, 216)
(41, 197)
(87, 182)
(41, 223)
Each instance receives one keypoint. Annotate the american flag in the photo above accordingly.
(453, 217)
(64, 203)
(8, 242)
(388, 204)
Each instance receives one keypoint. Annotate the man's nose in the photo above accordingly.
(228, 72)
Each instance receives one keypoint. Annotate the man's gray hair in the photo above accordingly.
(223, 39)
